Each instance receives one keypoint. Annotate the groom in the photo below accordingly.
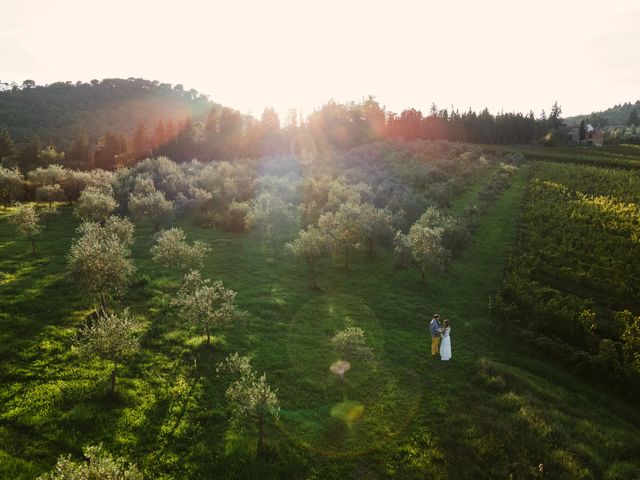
(434, 329)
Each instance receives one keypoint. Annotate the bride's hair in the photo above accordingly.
(446, 323)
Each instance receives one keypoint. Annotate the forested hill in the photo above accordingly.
(615, 116)
(57, 112)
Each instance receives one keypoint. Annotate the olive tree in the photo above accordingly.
(95, 204)
(311, 246)
(74, 182)
(200, 301)
(100, 258)
(99, 465)
(250, 395)
(455, 234)
(50, 175)
(172, 250)
(111, 337)
(11, 186)
(152, 206)
(351, 344)
(50, 193)
(27, 219)
(269, 215)
(340, 193)
(344, 229)
(421, 247)
(376, 224)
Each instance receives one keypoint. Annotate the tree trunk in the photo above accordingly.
(206, 329)
(421, 270)
(103, 301)
(313, 284)
(33, 245)
(260, 432)
(113, 378)
(371, 246)
(346, 259)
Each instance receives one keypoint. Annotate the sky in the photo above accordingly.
(509, 55)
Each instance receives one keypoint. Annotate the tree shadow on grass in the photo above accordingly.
(35, 307)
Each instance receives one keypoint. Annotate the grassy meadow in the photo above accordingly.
(498, 410)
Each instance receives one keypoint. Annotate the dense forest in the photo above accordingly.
(57, 112)
(116, 122)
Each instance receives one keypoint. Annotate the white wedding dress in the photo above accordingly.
(445, 345)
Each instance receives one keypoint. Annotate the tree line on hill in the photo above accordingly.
(625, 114)
(36, 134)
(56, 112)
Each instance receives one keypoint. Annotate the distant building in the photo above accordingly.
(595, 137)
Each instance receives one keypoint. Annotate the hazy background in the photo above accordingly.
(509, 55)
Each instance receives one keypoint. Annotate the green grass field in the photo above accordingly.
(496, 411)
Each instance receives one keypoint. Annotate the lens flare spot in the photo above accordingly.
(303, 149)
(340, 367)
(348, 411)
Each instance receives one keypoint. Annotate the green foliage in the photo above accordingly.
(351, 344)
(376, 224)
(200, 301)
(60, 110)
(50, 175)
(423, 246)
(631, 339)
(111, 337)
(250, 395)
(455, 235)
(8, 150)
(235, 218)
(95, 205)
(48, 212)
(27, 220)
(50, 194)
(150, 205)
(269, 214)
(172, 250)
(576, 260)
(11, 186)
(344, 229)
(616, 115)
(401, 416)
(99, 465)
(100, 258)
(311, 245)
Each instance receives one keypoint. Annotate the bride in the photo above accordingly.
(445, 345)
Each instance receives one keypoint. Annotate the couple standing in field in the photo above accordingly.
(440, 338)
